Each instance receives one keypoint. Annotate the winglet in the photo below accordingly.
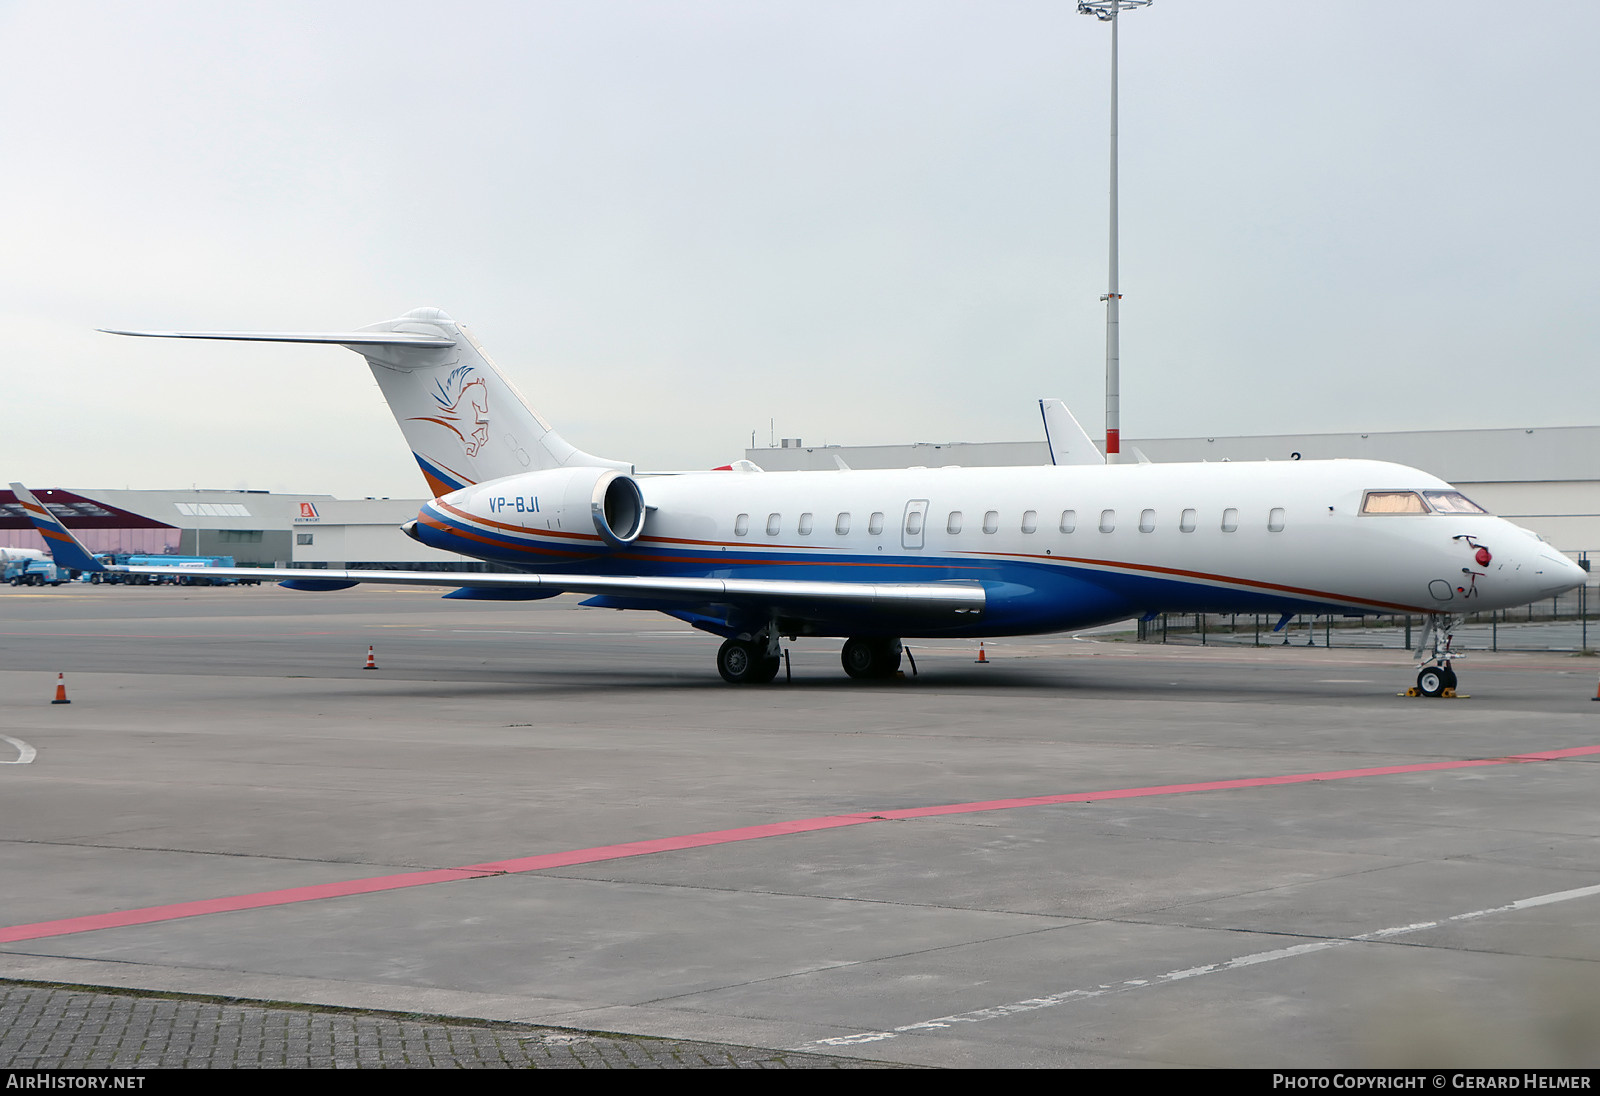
(64, 548)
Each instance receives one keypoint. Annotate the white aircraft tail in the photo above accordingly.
(464, 420)
(1067, 441)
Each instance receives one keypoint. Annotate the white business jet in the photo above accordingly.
(879, 556)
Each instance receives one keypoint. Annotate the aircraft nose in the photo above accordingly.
(1558, 573)
(1526, 568)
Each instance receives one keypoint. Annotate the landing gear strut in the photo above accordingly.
(1437, 676)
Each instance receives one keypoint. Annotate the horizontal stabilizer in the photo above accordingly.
(334, 338)
(464, 420)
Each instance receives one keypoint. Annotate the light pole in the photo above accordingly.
(1106, 11)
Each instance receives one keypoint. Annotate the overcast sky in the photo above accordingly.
(673, 223)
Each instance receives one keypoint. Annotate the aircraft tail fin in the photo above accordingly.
(65, 549)
(464, 420)
(1066, 440)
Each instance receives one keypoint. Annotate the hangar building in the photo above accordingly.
(256, 528)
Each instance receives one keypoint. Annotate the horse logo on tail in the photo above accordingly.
(463, 408)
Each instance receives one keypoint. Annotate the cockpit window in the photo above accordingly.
(1452, 502)
(1393, 502)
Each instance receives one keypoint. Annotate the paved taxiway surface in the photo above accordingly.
(1163, 896)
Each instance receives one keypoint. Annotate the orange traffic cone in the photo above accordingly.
(61, 690)
(983, 658)
(371, 662)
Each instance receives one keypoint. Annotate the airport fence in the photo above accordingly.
(1563, 623)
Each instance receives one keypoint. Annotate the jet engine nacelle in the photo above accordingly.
(560, 500)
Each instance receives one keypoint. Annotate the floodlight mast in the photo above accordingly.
(1106, 11)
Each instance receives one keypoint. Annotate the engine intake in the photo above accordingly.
(617, 506)
(570, 500)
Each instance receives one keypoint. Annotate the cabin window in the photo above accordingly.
(1275, 520)
(991, 521)
(953, 524)
(1452, 502)
(1069, 520)
(841, 524)
(1186, 521)
(1108, 520)
(1030, 521)
(805, 525)
(772, 524)
(1393, 502)
(741, 525)
(914, 523)
(1147, 521)
(875, 523)
(1230, 520)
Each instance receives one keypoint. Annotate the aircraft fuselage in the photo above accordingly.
(1054, 548)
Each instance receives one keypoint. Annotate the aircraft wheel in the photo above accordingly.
(870, 658)
(766, 669)
(1433, 682)
(737, 663)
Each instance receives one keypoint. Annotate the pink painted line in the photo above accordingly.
(1555, 755)
(570, 858)
(122, 918)
(671, 844)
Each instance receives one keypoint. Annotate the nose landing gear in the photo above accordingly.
(1437, 677)
(1436, 680)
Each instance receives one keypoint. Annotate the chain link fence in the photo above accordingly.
(1555, 624)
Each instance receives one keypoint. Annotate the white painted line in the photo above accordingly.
(1033, 1004)
(25, 752)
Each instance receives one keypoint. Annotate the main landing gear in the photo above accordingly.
(871, 658)
(749, 662)
(1437, 677)
(756, 659)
